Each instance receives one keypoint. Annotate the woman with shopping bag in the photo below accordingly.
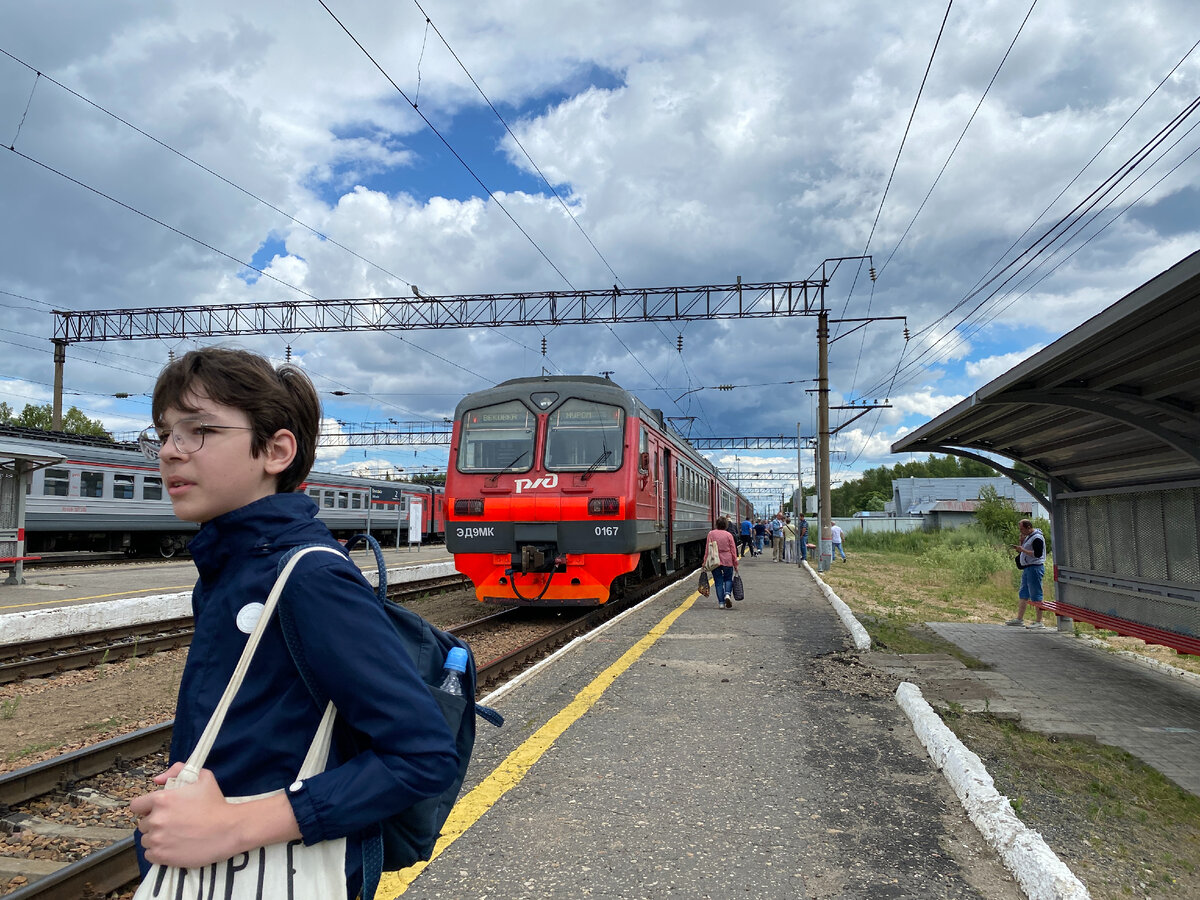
(726, 554)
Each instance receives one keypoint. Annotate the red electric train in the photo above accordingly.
(564, 490)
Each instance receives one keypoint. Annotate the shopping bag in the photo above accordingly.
(712, 558)
(738, 591)
(703, 587)
(288, 870)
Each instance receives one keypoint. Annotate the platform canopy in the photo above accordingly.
(38, 458)
(1112, 404)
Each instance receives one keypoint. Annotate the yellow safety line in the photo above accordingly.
(509, 773)
(158, 590)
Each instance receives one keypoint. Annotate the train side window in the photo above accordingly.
(315, 493)
(356, 501)
(343, 500)
(91, 484)
(328, 499)
(122, 486)
(151, 488)
(57, 483)
(643, 451)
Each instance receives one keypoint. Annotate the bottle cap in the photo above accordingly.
(456, 659)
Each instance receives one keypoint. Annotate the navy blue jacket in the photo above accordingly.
(391, 748)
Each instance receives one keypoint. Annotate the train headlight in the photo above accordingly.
(468, 507)
(604, 506)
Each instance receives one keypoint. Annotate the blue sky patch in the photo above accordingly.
(267, 251)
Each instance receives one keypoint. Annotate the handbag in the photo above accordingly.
(703, 587)
(739, 593)
(288, 870)
(712, 558)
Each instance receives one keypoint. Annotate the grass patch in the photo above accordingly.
(28, 751)
(1119, 825)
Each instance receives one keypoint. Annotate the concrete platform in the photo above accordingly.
(740, 753)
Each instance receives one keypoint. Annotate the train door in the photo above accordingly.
(669, 500)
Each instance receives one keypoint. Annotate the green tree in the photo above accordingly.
(438, 478)
(5, 414)
(998, 515)
(854, 496)
(73, 421)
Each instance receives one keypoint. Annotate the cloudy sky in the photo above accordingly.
(164, 145)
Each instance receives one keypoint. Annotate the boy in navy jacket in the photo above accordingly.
(234, 438)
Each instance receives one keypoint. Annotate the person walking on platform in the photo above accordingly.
(1031, 560)
(802, 536)
(722, 575)
(747, 537)
(776, 528)
(760, 535)
(835, 535)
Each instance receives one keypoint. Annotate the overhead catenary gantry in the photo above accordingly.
(615, 305)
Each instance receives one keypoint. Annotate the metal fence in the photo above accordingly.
(1132, 555)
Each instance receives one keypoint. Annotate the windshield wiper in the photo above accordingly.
(605, 454)
(494, 478)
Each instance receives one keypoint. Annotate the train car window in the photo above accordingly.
(356, 501)
(643, 451)
(122, 486)
(328, 497)
(91, 484)
(315, 493)
(343, 500)
(57, 483)
(151, 488)
(497, 438)
(586, 436)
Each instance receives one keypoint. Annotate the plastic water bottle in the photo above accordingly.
(456, 666)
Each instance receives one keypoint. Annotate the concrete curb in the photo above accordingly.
(1038, 870)
(1148, 661)
(862, 640)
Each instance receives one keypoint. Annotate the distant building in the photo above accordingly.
(951, 502)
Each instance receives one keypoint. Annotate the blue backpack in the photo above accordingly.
(409, 836)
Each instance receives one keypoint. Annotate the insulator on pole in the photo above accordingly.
(872, 273)
(287, 355)
(543, 346)
(679, 343)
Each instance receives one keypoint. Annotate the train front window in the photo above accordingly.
(585, 436)
(497, 439)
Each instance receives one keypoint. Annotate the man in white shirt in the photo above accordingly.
(835, 535)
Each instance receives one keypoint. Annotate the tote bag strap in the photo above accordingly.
(191, 770)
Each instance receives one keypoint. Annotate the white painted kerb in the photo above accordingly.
(1039, 871)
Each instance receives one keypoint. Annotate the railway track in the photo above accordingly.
(115, 866)
(34, 659)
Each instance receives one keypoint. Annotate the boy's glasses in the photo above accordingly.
(188, 436)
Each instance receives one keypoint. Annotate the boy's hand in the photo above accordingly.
(189, 826)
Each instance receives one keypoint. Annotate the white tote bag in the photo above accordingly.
(712, 558)
(284, 871)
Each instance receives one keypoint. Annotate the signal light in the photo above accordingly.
(604, 506)
(468, 507)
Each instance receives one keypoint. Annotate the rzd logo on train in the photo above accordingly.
(532, 484)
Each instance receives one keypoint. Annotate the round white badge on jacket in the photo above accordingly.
(248, 617)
